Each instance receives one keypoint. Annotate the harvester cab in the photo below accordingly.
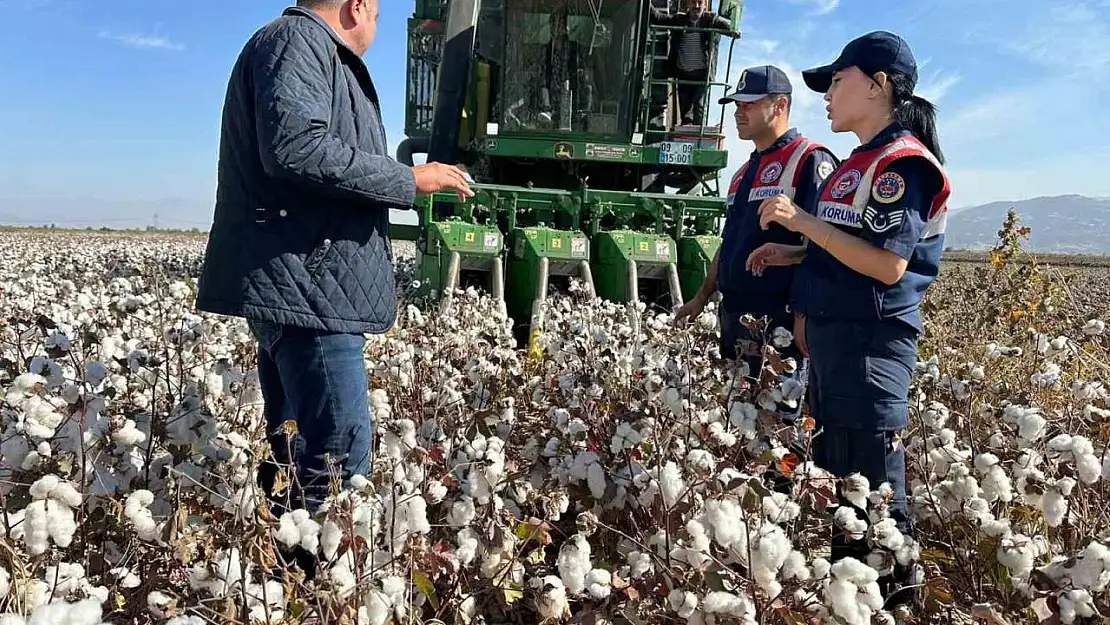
(553, 107)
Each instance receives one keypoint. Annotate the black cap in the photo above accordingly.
(878, 51)
(759, 82)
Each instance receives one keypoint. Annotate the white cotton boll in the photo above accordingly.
(701, 461)
(574, 563)
(595, 478)
(551, 599)
(1031, 427)
(158, 602)
(683, 603)
(1054, 505)
(1015, 552)
(736, 606)
(996, 484)
(1076, 603)
(5, 582)
(744, 417)
(769, 552)
(462, 512)
(855, 489)
(847, 519)
(626, 437)
(794, 567)
(467, 546)
(727, 520)
(639, 564)
(85, 612)
(671, 484)
(779, 508)
(721, 436)
(331, 535)
(137, 511)
(853, 593)
(1094, 327)
(598, 583)
(886, 534)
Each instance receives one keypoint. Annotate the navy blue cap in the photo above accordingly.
(759, 82)
(878, 51)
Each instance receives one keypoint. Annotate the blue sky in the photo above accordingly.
(110, 111)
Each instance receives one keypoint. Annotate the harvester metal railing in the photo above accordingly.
(654, 31)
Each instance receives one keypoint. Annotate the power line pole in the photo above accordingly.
(155, 221)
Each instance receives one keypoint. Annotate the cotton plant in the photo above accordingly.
(615, 456)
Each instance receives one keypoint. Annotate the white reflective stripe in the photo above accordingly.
(863, 192)
(792, 164)
(762, 193)
(840, 213)
(937, 224)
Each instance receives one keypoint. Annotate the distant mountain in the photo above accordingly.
(1066, 224)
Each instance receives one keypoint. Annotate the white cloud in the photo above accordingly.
(819, 7)
(142, 41)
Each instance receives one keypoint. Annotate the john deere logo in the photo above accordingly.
(564, 150)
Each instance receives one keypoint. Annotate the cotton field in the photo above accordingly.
(614, 472)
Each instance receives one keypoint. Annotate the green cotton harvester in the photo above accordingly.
(553, 108)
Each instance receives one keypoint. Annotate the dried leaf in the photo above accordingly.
(987, 612)
(511, 592)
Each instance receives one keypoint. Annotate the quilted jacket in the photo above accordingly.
(301, 227)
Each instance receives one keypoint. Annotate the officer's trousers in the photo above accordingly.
(733, 332)
(860, 375)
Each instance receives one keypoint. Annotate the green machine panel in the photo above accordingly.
(695, 256)
(653, 254)
(477, 246)
(565, 251)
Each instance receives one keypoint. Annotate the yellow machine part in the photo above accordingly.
(477, 101)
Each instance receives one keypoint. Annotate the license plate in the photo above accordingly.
(676, 153)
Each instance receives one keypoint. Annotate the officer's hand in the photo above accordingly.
(800, 334)
(436, 177)
(690, 309)
(779, 210)
(767, 255)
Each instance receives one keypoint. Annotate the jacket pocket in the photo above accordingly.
(315, 260)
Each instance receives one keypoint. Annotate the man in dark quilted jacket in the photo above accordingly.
(300, 244)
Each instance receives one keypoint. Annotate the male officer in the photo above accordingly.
(784, 162)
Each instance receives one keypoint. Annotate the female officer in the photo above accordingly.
(874, 242)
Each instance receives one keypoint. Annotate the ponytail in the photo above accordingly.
(917, 114)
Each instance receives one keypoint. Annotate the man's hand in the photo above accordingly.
(769, 255)
(781, 210)
(436, 177)
(800, 334)
(690, 309)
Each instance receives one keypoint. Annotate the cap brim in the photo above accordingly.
(819, 79)
(743, 97)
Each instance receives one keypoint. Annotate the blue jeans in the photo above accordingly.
(317, 380)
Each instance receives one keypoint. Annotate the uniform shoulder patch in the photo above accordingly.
(771, 173)
(846, 183)
(881, 223)
(824, 169)
(889, 187)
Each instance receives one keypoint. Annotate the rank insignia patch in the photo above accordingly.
(880, 222)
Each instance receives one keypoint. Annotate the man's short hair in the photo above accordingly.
(320, 4)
